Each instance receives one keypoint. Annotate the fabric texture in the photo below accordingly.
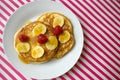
(100, 58)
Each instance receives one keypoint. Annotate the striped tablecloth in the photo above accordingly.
(100, 59)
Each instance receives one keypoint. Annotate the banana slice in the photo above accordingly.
(39, 29)
(23, 47)
(58, 20)
(37, 52)
(64, 37)
(52, 43)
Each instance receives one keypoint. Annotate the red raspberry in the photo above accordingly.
(23, 38)
(42, 39)
(57, 30)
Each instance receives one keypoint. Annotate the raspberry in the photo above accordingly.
(23, 38)
(57, 30)
(42, 39)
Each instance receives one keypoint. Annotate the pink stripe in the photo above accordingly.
(2, 24)
(78, 75)
(106, 13)
(1, 32)
(101, 50)
(70, 76)
(28, 0)
(62, 78)
(108, 10)
(94, 36)
(111, 7)
(18, 73)
(53, 79)
(103, 25)
(21, 2)
(0, 40)
(102, 45)
(8, 5)
(103, 18)
(98, 54)
(81, 70)
(113, 2)
(118, 1)
(53, 0)
(1, 49)
(5, 10)
(3, 17)
(16, 5)
(3, 77)
(97, 68)
(81, 62)
(101, 63)
(7, 72)
(96, 24)
(96, 31)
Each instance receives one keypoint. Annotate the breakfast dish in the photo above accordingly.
(50, 36)
(29, 45)
(66, 38)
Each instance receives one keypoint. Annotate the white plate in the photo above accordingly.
(51, 69)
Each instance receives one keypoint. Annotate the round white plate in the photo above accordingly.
(51, 69)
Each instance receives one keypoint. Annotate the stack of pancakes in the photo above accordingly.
(57, 45)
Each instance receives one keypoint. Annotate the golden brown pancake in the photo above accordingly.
(27, 30)
(63, 48)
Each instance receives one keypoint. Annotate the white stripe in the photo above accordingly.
(9, 3)
(58, 78)
(66, 77)
(91, 66)
(3, 21)
(80, 73)
(86, 70)
(110, 8)
(97, 50)
(4, 6)
(1, 28)
(5, 75)
(82, 15)
(5, 15)
(117, 9)
(101, 19)
(25, 1)
(73, 75)
(101, 27)
(105, 50)
(18, 3)
(108, 13)
(11, 71)
(98, 65)
(117, 2)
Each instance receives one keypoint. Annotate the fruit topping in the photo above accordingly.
(39, 29)
(58, 20)
(64, 37)
(42, 39)
(57, 30)
(23, 38)
(37, 52)
(52, 43)
(23, 47)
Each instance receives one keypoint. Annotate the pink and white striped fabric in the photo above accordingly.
(100, 59)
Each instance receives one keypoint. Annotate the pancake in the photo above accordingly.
(64, 45)
(28, 47)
